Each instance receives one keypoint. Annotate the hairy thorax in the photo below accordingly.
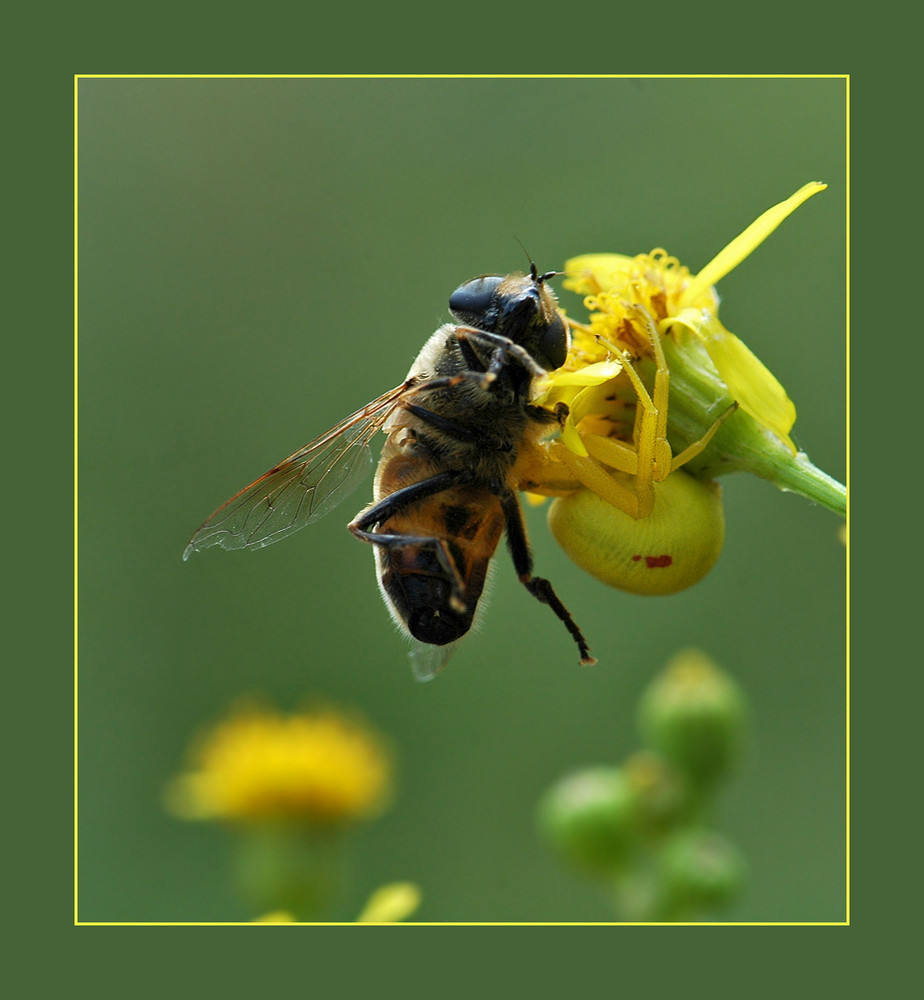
(490, 423)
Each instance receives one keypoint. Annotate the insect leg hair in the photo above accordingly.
(523, 563)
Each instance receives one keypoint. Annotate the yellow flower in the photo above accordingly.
(615, 286)
(391, 903)
(316, 767)
(655, 391)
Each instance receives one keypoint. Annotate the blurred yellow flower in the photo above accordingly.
(276, 917)
(315, 767)
(391, 904)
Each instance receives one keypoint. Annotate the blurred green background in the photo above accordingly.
(257, 258)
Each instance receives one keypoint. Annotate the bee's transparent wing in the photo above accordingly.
(428, 660)
(303, 488)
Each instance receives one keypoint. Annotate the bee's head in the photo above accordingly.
(519, 306)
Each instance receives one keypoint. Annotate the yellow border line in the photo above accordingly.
(449, 923)
(75, 504)
(462, 76)
(847, 480)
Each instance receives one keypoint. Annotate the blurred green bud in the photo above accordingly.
(588, 817)
(694, 714)
(700, 870)
(661, 796)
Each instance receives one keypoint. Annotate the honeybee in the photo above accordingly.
(445, 485)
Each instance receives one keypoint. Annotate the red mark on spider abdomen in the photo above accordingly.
(655, 562)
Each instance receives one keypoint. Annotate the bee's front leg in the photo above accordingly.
(502, 348)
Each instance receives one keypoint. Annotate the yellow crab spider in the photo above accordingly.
(651, 460)
(639, 523)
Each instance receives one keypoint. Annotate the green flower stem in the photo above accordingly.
(287, 867)
(800, 476)
(698, 397)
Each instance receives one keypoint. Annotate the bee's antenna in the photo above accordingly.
(533, 270)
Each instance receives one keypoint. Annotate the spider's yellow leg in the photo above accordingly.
(660, 398)
(646, 406)
(692, 450)
(536, 471)
(646, 428)
(592, 475)
(612, 452)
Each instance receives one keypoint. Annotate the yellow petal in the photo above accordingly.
(753, 385)
(572, 440)
(595, 374)
(391, 903)
(590, 399)
(564, 386)
(749, 381)
(595, 272)
(741, 246)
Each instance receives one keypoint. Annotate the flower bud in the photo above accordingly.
(588, 817)
(662, 799)
(694, 715)
(700, 870)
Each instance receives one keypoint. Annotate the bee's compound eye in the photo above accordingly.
(475, 300)
(552, 347)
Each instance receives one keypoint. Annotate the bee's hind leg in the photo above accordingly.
(361, 526)
(388, 506)
(523, 563)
